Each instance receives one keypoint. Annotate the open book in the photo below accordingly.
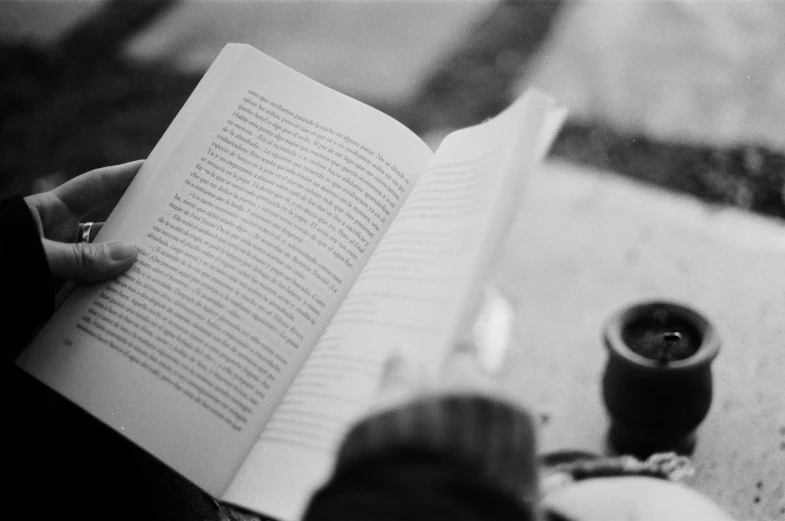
(290, 237)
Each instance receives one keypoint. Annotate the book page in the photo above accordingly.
(254, 217)
(412, 291)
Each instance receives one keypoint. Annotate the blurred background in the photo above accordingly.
(686, 95)
(683, 94)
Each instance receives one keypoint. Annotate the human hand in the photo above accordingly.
(57, 214)
(470, 369)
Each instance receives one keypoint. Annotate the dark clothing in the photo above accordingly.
(26, 298)
(457, 458)
(56, 458)
(464, 458)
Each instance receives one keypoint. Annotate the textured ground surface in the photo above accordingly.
(587, 244)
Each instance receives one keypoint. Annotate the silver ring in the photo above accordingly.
(84, 232)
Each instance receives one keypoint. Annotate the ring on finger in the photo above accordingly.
(84, 232)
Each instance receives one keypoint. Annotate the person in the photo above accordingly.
(451, 448)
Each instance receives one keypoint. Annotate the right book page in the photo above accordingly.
(414, 291)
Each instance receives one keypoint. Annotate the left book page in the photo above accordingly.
(254, 215)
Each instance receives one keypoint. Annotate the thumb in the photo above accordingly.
(87, 262)
(402, 380)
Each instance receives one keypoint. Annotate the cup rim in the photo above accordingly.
(706, 352)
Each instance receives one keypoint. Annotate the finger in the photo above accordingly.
(94, 189)
(401, 371)
(492, 332)
(402, 380)
(89, 262)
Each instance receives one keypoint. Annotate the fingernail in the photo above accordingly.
(121, 250)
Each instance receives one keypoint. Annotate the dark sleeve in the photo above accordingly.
(26, 296)
(445, 457)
